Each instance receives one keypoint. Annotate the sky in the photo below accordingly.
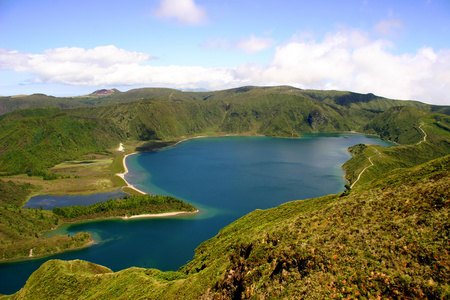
(399, 49)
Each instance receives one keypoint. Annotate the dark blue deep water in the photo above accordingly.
(225, 178)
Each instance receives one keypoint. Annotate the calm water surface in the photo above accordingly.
(50, 201)
(225, 178)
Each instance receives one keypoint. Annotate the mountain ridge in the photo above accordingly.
(114, 96)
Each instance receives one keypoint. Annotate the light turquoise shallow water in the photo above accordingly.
(225, 178)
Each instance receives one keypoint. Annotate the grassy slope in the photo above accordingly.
(386, 239)
(402, 125)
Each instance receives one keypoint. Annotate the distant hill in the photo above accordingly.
(114, 96)
(104, 92)
(9, 104)
(98, 123)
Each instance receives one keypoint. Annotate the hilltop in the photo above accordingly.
(104, 92)
(114, 96)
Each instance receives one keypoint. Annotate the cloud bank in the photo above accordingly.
(349, 60)
(343, 60)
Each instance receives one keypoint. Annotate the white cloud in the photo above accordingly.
(182, 11)
(109, 66)
(388, 27)
(350, 60)
(249, 45)
(254, 44)
(344, 60)
(218, 43)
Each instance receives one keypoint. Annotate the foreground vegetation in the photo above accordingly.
(386, 239)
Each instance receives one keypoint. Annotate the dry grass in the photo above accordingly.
(87, 176)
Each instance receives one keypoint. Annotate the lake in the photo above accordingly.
(50, 201)
(224, 177)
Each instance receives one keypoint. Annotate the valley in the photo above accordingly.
(395, 214)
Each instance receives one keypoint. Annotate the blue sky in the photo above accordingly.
(397, 49)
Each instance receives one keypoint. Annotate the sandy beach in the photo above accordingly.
(168, 214)
(122, 175)
(122, 149)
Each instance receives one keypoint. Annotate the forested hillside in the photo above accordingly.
(33, 140)
(36, 139)
(9, 104)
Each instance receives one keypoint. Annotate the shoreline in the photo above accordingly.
(160, 215)
(122, 175)
(41, 256)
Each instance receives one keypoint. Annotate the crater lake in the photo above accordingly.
(224, 177)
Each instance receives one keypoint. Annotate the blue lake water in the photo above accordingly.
(50, 201)
(225, 178)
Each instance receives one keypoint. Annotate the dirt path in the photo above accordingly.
(371, 164)
(424, 135)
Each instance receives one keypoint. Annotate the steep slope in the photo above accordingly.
(388, 239)
(33, 140)
(424, 136)
(156, 119)
(399, 124)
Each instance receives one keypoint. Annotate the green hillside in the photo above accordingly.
(9, 104)
(387, 239)
(423, 136)
(33, 140)
(20, 229)
(339, 98)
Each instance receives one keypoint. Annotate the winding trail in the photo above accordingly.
(371, 164)
(424, 135)
(378, 153)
